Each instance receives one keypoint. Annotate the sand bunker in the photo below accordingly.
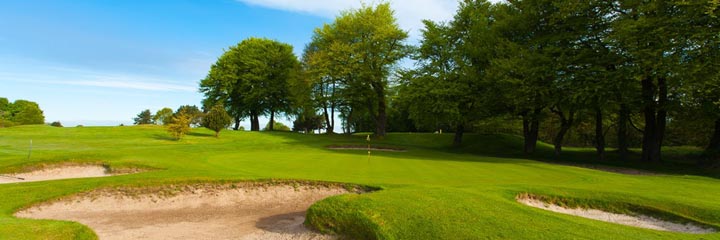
(641, 221)
(55, 173)
(244, 212)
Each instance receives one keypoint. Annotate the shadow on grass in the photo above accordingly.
(504, 149)
(164, 137)
(197, 134)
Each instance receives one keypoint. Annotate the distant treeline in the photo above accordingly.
(20, 112)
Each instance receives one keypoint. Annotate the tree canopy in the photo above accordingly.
(252, 79)
(20, 112)
(351, 61)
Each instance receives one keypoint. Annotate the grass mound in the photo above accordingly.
(618, 212)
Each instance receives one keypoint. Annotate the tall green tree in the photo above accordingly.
(144, 117)
(656, 37)
(25, 112)
(524, 67)
(252, 79)
(451, 84)
(369, 43)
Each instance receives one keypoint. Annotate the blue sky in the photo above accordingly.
(100, 62)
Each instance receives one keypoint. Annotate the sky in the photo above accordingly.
(101, 62)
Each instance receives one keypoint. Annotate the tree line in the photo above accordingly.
(633, 68)
(20, 112)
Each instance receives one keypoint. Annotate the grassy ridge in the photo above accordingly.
(431, 191)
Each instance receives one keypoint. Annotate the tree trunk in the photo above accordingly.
(459, 134)
(254, 121)
(599, 134)
(381, 118)
(332, 119)
(531, 127)
(565, 124)
(237, 124)
(714, 146)
(558, 140)
(654, 119)
(271, 124)
(662, 114)
(329, 119)
(622, 131)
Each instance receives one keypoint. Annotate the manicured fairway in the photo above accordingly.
(429, 192)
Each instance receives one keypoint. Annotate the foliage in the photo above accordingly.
(144, 117)
(56, 124)
(193, 112)
(253, 79)
(307, 122)
(180, 126)
(278, 126)
(20, 112)
(217, 119)
(352, 59)
(163, 116)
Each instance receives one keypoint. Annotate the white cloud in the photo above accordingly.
(63, 75)
(150, 86)
(409, 13)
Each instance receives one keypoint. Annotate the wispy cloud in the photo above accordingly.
(65, 75)
(131, 85)
(409, 13)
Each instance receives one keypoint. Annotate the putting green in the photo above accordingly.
(429, 191)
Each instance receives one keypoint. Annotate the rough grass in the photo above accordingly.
(432, 191)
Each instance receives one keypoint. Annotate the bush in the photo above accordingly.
(278, 126)
(180, 126)
(217, 119)
(56, 124)
(6, 123)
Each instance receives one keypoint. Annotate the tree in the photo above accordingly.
(524, 68)
(180, 126)
(252, 79)
(56, 124)
(307, 122)
(163, 116)
(193, 112)
(658, 38)
(144, 117)
(23, 112)
(368, 43)
(217, 119)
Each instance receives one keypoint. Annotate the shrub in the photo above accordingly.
(217, 119)
(278, 126)
(56, 124)
(180, 126)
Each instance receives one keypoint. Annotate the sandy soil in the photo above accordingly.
(641, 221)
(250, 212)
(55, 173)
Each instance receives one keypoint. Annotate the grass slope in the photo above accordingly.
(430, 192)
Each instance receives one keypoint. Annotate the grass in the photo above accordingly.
(432, 191)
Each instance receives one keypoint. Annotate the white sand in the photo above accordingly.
(250, 212)
(55, 173)
(641, 221)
